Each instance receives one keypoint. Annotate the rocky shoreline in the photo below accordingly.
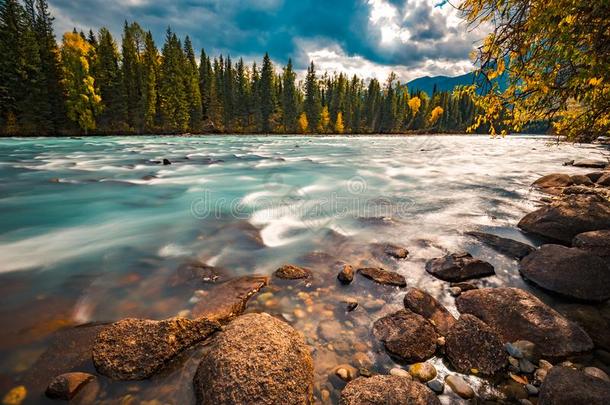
(526, 351)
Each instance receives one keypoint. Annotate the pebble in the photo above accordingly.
(423, 371)
(540, 375)
(531, 390)
(527, 349)
(346, 372)
(362, 360)
(513, 351)
(351, 305)
(346, 276)
(66, 386)
(15, 396)
(513, 362)
(299, 313)
(597, 373)
(545, 365)
(399, 372)
(374, 305)
(455, 291)
(526, 366)
(440, 341)
(459, 386)
(437, 386)
(325, 394)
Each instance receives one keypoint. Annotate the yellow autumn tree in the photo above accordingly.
(435, 114)
(339, 127)
(414, 104)
(82, 101)
(303, 123)
(553, 61)
(324, 121)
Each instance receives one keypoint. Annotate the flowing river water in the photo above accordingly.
(94, 230)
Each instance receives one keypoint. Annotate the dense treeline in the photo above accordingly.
(87, 85)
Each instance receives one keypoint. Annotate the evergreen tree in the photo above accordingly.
(150, 69)
(107, 74)
(267, 99)
(191, 84)
(289, 99)
(132, 74)
(312, 105)
(173, 97)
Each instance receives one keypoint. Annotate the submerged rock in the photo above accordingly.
(196, 270)
(564, 219)
(135, 349)
(473, 347)
(291, 272)
(459, 267)
(66, 386)
(391, 250)
(228, 300)
(508, 247)
(459, 386)
(595, 242)
(422, 371)
(565, 386)
(346, 275)
(425, 305)
(406, 335)
(518, 315)
(571, 272)
(382, 276)
(257, 359)
(387, 390)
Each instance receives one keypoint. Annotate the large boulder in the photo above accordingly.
(459, 267)
(518, 315)
(406, 335)
(228, 300)
(563, 219)
(595, 321)
(427, 306)
(257, 359)
(570, 272)
(387, 390)
(508, 247)
(135, 349)
(472, 346)
(595, 242)
(382, 276)
(565, 386)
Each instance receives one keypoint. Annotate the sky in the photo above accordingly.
(371, 38)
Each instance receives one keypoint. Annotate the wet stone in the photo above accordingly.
(387, 390)
(596, 372)
(291, 272)
(391, 250)
(595, 242)
(382, 276)
(346, 275)
(508, 247)
(437, 386)
(565, 386)
(66, 386)
(406, 335)
(459, 267)
(422, 371)
(459, 386)
(427, 306)
(136, 349)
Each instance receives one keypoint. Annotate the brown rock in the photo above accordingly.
(382, 276)
(257, 359)
(595, 176)
(66, 386)
(406, 335)
(425, 305)
(459, 386)
(570, 272)
(387, 390)
(290, 272)
(604, 180)
(581, 180)
(196, 270)
(595, 242)
(518, 315)
(590, 163)
(391, 250)
(564, 219)
(554, 180)
(508, 247)
(228, 300)
(346, 275)
(472, 345)
(592, 320)
(565, 386)
(135, 349)
(459, 267)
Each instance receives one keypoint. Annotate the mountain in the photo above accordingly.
(446, 83)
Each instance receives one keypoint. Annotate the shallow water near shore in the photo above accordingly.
(94, 229)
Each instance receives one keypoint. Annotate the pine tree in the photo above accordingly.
(266, 93)
(289, 99)
(242, 95)
(173, 102)
(193, 92)
(312, 105)
(150, 69)
(132, 74)
(107, 74)
(205, 84)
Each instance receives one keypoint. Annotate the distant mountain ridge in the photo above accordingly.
(446, 83)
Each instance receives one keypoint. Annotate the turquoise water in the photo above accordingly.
(93, 229)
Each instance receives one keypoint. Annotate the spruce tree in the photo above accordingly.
(289, 99)
(267, 98)
(107, 74)
(150, 71)
(172, 92)
(312, 105)
(191, 84)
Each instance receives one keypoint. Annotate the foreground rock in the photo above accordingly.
(604, 180)
(571, 272)
(387, 390)
(555, 180)
(595, 242)
(592, 320)
(257, 359)
(290, 272)
(135, 349)
(459, 267)
(391, 250)
(564, 219)
(406, 335)
(518, 315)
(590, 163)
(66, 386)
(459, 386)
(508, 247)
(473, 347)
(346, 275)
(425, 305)
(382, 276)
(565, 386)
(228, 300)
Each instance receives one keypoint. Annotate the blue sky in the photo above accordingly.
(368, 37)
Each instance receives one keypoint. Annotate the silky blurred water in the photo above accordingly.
(93, 229)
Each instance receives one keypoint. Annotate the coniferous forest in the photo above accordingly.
(89, 84)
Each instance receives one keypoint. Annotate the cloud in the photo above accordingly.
(400, 35)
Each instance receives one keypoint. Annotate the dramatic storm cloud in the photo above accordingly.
(366, 37)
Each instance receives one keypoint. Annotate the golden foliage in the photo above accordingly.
(324, 121)
(435, 114)
(414, 104)
(339, 127)
(303, 124)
